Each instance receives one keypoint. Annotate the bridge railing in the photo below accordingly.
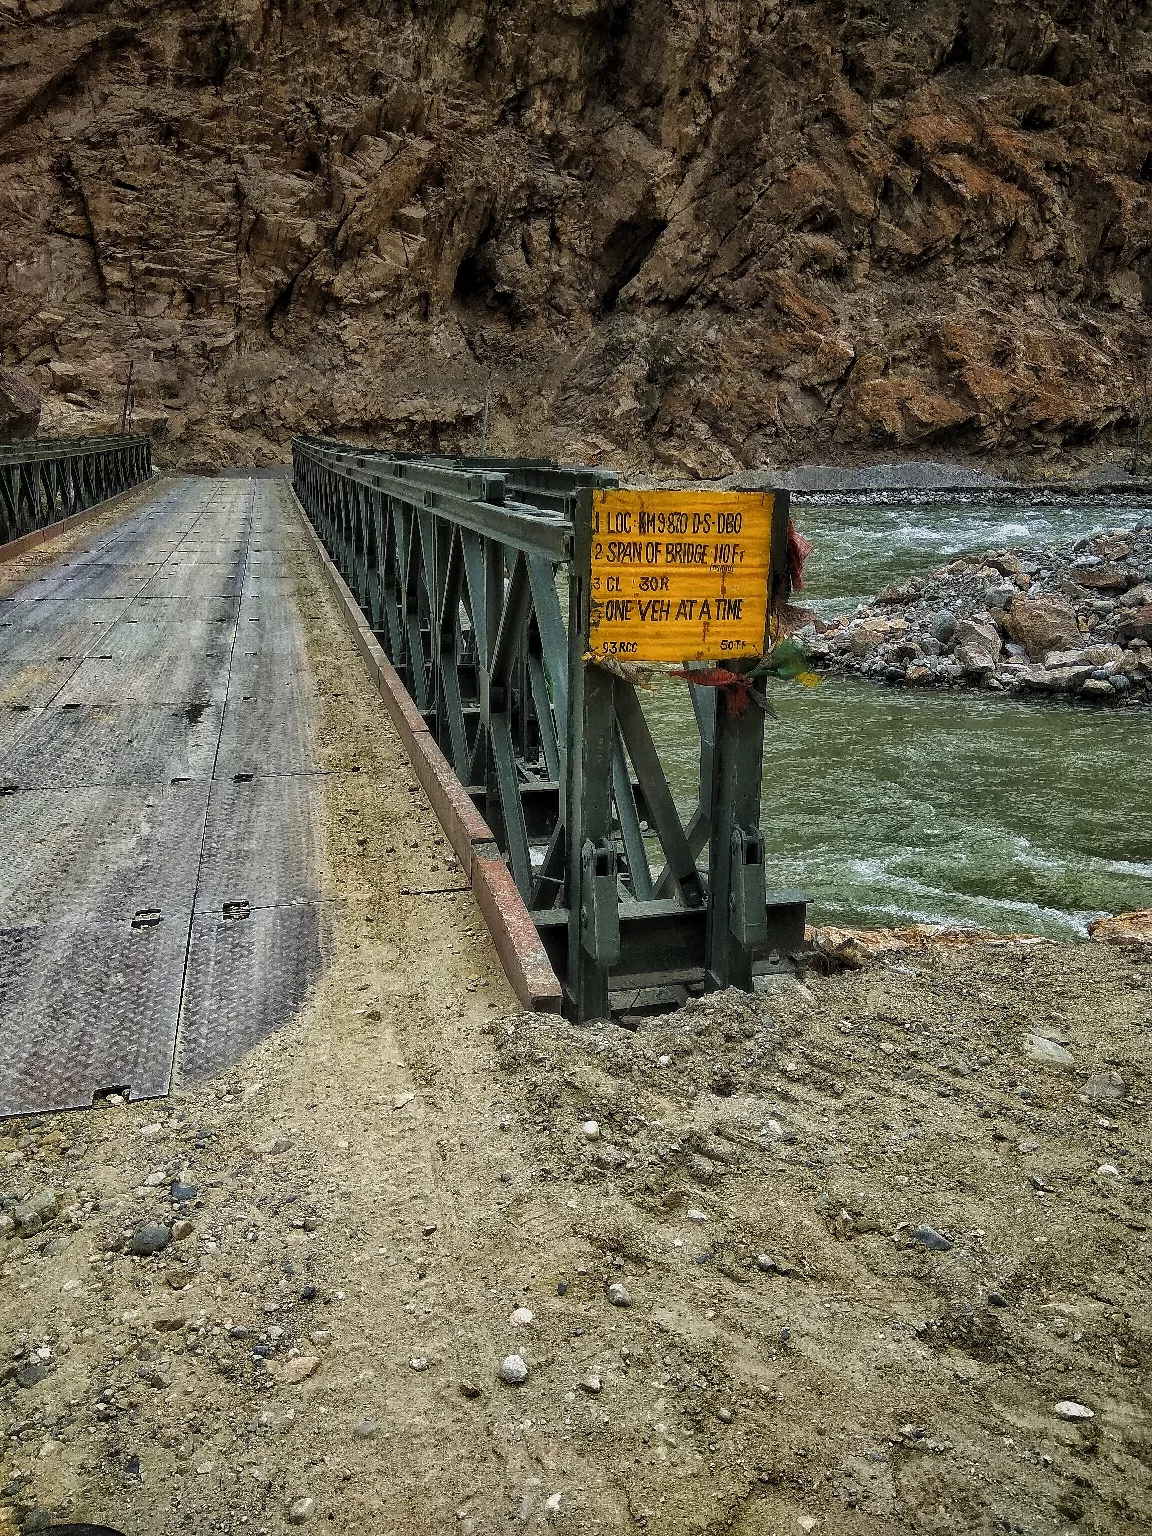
(469, 572)
(44, 480)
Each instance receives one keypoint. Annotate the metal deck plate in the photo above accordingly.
(269, 732)
(166, 684)
(71, 635)
(105, 744)
(245, 979)
(32, 683)
(87, 1006)
(165, 677)
(261, 843)
(107, 851)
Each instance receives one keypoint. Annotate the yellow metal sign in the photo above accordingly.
(679, 575)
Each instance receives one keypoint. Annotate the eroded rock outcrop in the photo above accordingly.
(702, 237)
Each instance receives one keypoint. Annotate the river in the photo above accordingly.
(888, 806)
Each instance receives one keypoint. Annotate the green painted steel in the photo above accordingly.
(474, 576)
(44, 480)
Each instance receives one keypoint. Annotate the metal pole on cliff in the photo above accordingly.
(484, 427)
(127, 398)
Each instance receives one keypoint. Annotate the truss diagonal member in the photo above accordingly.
(661, 806)
(626, 815)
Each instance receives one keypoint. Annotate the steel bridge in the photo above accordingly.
(47, 481)
(164, 896)
(473, 576)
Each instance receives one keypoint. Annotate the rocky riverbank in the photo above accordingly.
(1069, 619)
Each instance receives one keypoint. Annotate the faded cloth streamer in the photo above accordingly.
(737, 687)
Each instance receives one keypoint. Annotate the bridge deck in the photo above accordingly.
(161, 901)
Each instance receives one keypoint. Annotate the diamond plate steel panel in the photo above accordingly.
(246, 978)
(86, 1006)
(50, 610)
(169, 642)
(69, 580)
(106, 744)
(271, 731)
(69, 640)
(195, 581)
(171, 675)
(32, 683)
(106, 851)
(14, 723)
(185, 610)
(262, 843)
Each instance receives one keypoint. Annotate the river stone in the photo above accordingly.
(944, 626)
(150, 1239)
(1049, 1053)
(618, 1295)
(1042, 624)
(979, 635)
(296, 1370)
(1067, 1409)
(1105, 1088)
(34, 1214)
(928, 1237)
(513, 1371)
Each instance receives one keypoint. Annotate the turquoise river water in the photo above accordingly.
(890, 806)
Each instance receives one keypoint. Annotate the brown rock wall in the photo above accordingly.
(697, 237)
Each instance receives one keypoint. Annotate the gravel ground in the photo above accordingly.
(871, 1229)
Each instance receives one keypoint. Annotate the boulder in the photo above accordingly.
(975, 661)
(867, 635)
(1135, 624)
(1042, 624)
(1102, 578)
(19, 408)
(1127, 929)
(979, 634)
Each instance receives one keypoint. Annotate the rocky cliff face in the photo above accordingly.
(702, 236)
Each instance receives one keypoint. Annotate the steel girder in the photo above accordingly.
(44, 480)
(469, 573)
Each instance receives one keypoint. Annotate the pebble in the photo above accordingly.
(366, 1429)
(298, 1369)
(1049, 1053)
(724, 1415)
(591, 1129)
(182, 1194)
(552, 1504)
(178, 1277)
(181, 1229)
(591, 1383)
(765, 1263)
(301, 1511)
(469, 1389)
(149, 1240)
(930, 1238)
(663, 1061)
(995, 1299)
(697, 1215)
(1110, 1170)
(513, 1371)
(419, 1362)
(522, 1316)
(618, 1295)
(36, 1212)
(1067, 1409)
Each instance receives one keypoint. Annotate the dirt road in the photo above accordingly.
(378, 1196)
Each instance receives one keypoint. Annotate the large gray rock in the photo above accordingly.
(19, 408)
